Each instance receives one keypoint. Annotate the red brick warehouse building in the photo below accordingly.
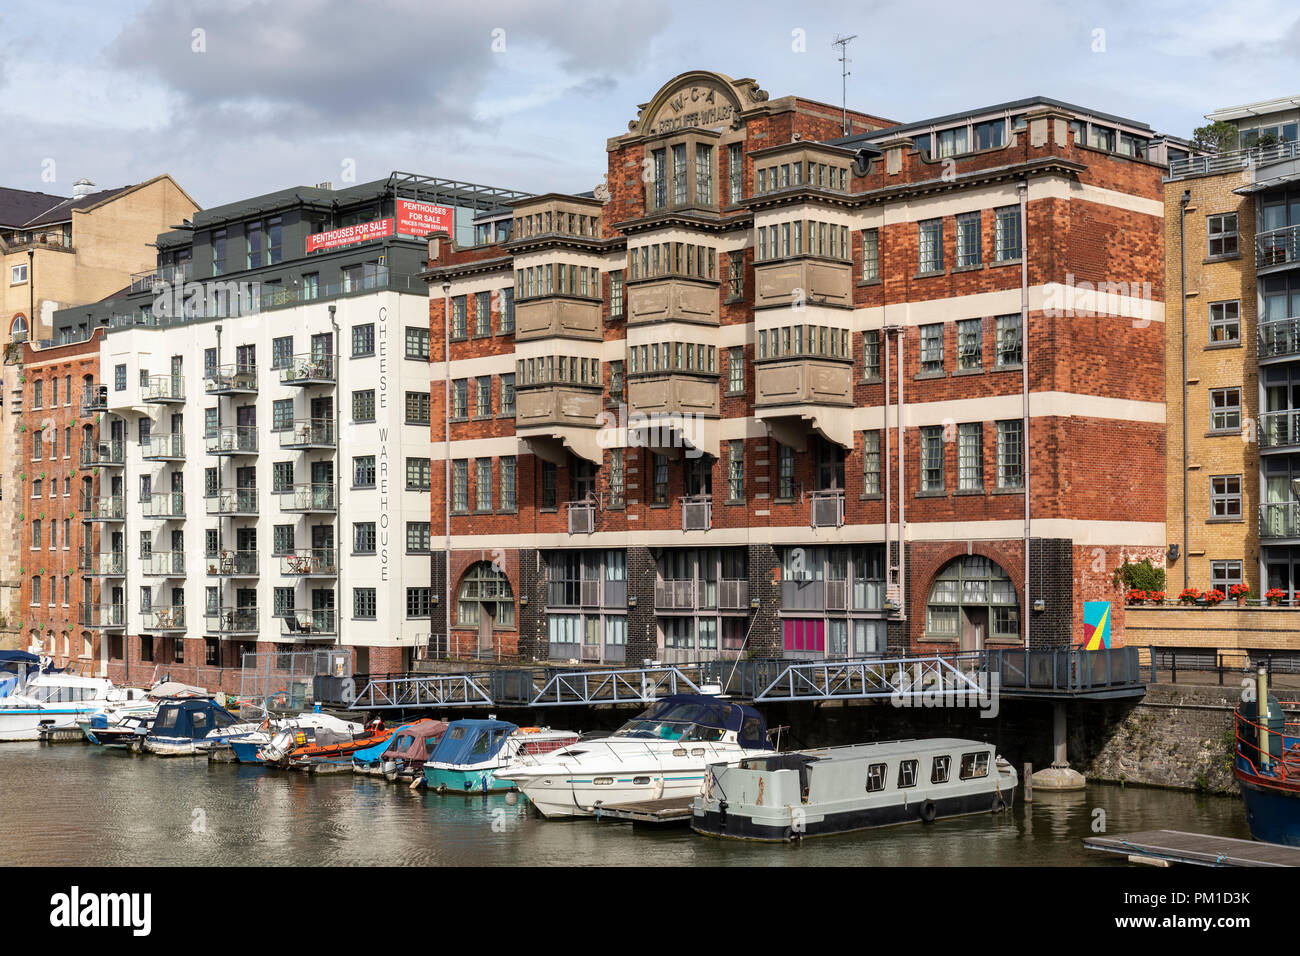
(677, 403)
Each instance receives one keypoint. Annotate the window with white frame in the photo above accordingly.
(1011, 454)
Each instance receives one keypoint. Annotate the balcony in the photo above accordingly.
(675, 595)
(233, 440)
(858, 594)
(827, 508)
(673, 393)
(309, 433)
(233, 501)
(673, 299)
(163, 389)
(231, 380)
(1232, 160)
(309, 624)
(1277, 247)
(1280, 520)
(555, 316)
(164, 619)
(103, 454)
(553, 418)
(800, 394)
(315, 563)
(727, 594)
(1279, 429)
(96, 508)
(582, 516)
(309, 499)
(108, 617)
(817, 282)
(163, 448)
(697, 512)
(164, 505)
(231, 620)
(94, 399)
(101, 564)
(733, 594)
(232, 564)
(587, 592)
(310, 370)
(165, 564)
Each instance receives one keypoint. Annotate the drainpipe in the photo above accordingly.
(338, 464)
(1182, 292)
(1023, 192)
(902, 492)
(221, 581)
(446, 462)
(889, 483)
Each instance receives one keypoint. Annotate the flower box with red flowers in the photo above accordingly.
(1213, 596)
(1189, 596)
(1274, 596)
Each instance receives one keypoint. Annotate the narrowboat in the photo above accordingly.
(661, 754)
(808, 793)
(477, 756)
(181, 726)
(1267, 766)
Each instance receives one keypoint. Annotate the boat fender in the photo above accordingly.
(722, 813)
(417, 783)
(927, 812)
(998, 802)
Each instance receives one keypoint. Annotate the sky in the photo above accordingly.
(235, 98)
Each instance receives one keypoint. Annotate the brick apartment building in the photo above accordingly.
(764, 389)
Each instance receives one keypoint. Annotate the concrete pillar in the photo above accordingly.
(1059, 776)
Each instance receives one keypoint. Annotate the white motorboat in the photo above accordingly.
(661, 754)
(271, 743)
(54, 701)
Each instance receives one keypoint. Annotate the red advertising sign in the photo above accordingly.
(361, 232)
(421, 218)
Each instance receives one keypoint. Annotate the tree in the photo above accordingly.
(1215, 137)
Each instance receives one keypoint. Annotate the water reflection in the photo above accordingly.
(73, 804)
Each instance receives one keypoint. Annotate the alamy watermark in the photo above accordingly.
(932, 689)
(619, 429)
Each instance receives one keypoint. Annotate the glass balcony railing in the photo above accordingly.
(108, 454)
(232, 440)
(232, 501)
(314, 623)
(163, 447)
(310, 369)
(165, 564)
(231, 620)
(168, 389)
(307, 433)
(1279, 429)
(232, 563)
(164, 504)
(1279, 520)
(230, 380)
(97, 508)
(308, 498)
(317, 562)
(164, 619)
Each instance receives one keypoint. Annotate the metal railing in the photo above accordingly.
(582, 516)
(164, 504)
(313, 623)
(1279, 429)
(231, 563)
(318, 562)
(163, 388)
(232, 620)
(1279, 337)
(106, 453)
(697, 512)
(733, 594)
(94, 398)
(674, 595)
(1277, 247)
(1279, 519)
(165, 564)
(232, 440)
(308, 433)
(1232, 159)
(163, 447)
(228, 379)
(109, 508)
(101, 563)
(827, 508)
(233, 501)
(310, 369)
(101, 615)
(318, 496)
(164, 619)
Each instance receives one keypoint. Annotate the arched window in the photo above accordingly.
(971, 599)
(18, 330)
(485, 590)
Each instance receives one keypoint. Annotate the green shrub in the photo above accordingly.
(1142, 575)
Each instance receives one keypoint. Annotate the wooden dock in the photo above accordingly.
(673, 811)
(1162, 847)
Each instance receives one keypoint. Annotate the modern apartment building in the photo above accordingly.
(57, 252)
(801, 383)
(254, 459)
(1232, 222)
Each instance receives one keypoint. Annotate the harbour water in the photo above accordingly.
(70, 804)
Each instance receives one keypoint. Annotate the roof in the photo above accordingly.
(63, 211)
(20, 206)
(1261, 108)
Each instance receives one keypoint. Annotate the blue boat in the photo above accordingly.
(473, 754)
(182, 724)
(1267, 767)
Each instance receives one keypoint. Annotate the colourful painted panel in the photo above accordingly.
(1096, 625)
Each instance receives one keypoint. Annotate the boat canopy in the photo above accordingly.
(373, 753)
(698, 717)
(471, 741)
(416, 741)
(192, 719)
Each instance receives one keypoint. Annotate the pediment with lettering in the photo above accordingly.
(697, 100)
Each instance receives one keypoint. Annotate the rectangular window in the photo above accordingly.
(417, 537)
(736, 470)
(417, 408)
(1007, 328)
(660, 479)
(968, 240)
(508, 393)
(363, 471)
(417, 474)
(363, 537)
(1222, 234)
(704, 174)
(483, 396)
(784, 471)
(970, 344)
(282, 603)
(970, 457)
(735, 173)
(1224, 574)
(508, 483)
(1006, 233)
(930, 246)
(736, 370)
(871, 463)
(483, 484)
(870, 255)
(735, 275)
(282, 352)
(282, 414)
(616, 294)
(507, 301)
(363, 340)
(364, 604)
(1225, 409)
(459, 311)
(616, 484)
(871, 355)
(281, 476)
(363, 405)
(1225, 321)
(548, 485)
(482, 314)
(932, 458)
(419, 602)
(282, 539)
(679, 174)
(1011, 454)
(460, 486)
(1225, 496)
(932, 348)
(460, 398)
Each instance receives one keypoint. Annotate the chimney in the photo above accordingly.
(82, 188)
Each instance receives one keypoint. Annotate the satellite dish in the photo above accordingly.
(861, 162)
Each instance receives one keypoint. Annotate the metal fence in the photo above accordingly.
(293, 681)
